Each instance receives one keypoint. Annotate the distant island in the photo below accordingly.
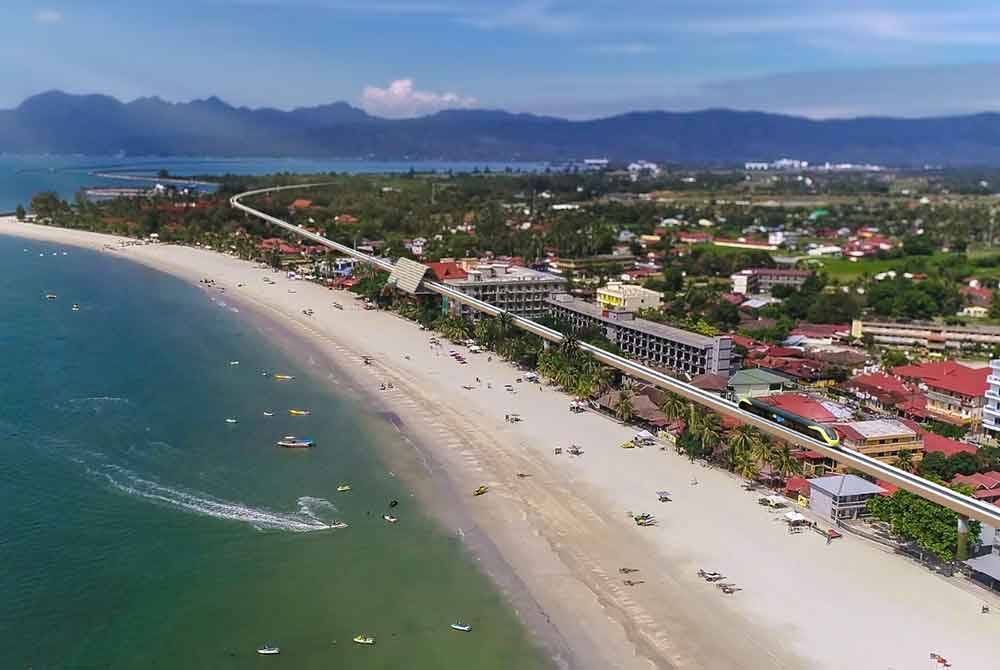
(60, 123)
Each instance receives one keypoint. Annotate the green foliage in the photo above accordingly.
(892, 358)
(946, 429)
(933, 527)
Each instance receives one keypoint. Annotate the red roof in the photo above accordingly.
(797, 485)
(778, 272)
(784, 352)
(733, 298)
(948, 376)
(821, 330)
(889, 488)
(944, 445)
(802, 405)
(745, 342)
(450, 270)
(979, 481)
(977, 295)
(302, 203)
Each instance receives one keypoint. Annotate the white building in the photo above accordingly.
(991, 408)
(520, 291)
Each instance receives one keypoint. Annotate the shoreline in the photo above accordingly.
(563, 531)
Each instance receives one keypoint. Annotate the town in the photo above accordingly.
(853, 297)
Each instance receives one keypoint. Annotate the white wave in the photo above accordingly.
(305, 521)
(100, 399)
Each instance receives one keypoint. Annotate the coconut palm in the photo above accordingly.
(710, 431)
(570, 346)
(784, 462)
(761, 451)
(624, 409)
(904, 460)
(673, 406)
(505, 325)
(745, 465)
(744, 437)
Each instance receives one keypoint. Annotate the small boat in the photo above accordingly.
(364, 639)
(76, 307)
(268, 650)
(343, 488)
(481, 490)
(338, 524)
(461, 627)
(284, 378)
(299, 412)
(292, 442)
(268, 413)
(51, 296)
(390, 518)
(234, 362)
(231, 420)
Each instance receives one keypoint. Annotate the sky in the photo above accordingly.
(581, 59)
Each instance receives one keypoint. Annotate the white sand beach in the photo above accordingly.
(565, 532)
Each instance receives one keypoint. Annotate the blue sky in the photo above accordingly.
(576, 59)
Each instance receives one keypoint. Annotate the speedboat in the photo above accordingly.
(231, 420)
(50, 296)
(364, 639)
(234, 362)
(268, 650)
(338, 524)
(343, 488)
(299, 412)
(390, 518)
(268, 413)
(76, 307)
(462, 627)
(292, 442)
(284, 378)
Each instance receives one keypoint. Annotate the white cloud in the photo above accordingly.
(48, 16)
(401, 99)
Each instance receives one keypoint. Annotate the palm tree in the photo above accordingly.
(710, 431)
(505, 325)
(784, 463)
(623, 406)
(904, 460)
(744, 437)
(745, 465)
(570, 346)
(673, 406)
(761, 452)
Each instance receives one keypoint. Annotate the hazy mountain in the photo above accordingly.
(57, 122)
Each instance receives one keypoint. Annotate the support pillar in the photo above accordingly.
(546, 344)
(962, 549)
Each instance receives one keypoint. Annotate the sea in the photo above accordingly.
(140, 529)
(21, 177)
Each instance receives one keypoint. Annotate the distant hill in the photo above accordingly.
(57, 122)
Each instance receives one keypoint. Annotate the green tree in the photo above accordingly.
(904, 460)
(624, 410)
(892, 358)
(934, 465)
(933, 527)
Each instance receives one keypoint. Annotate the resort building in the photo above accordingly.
(628, 297)
(758, 382)
(518, 290)
(883, 439)
(927, 334)
(652, 343)
(985, 485)
(760, 281)
(607, 264)
(838, 497)
(955, 393)
(991, 406)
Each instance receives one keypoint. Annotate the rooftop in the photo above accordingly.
(845, 485)
(875, 429)
(757, 376)
(641, 325)
(776, 272)
(948, 376)
(497, 273)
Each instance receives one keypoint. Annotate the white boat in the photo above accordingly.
(234, 362)
(343, 488)
(390, 518)
(268, 413)
(461, 627)
(292, 442)
(51, 296)
(268, 650)
(231, 420)
(336, 525)
(76, 307)
(361, 638)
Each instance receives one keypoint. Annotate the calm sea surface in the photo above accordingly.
(140, 530)
(21, 177)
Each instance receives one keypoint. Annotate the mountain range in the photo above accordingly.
(61, 123)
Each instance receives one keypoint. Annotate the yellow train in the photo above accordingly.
(817, 431)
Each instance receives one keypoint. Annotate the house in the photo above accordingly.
(944, 445)
(828, 250)
(714, 383)
(346, 220)
(974, 312)
(445, 270)
(757, 382)
(758, 281)
(628, 297)
(299, 205)
(985, 485)
(886, 393)
(883, 439)
(694, 237)
(955, 392)
(820, 334)
(838, 497)
(977, 296)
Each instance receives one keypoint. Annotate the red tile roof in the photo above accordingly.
(948, 376)
(797, 485)
(802, 405)
(302, 203)
(977, 295)
(445, 271)
(822, 330)
(979, 481)
(944, 445)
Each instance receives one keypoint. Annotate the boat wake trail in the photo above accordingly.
(309, 518)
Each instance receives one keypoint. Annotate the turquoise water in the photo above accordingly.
(139, 529)
(21, 177)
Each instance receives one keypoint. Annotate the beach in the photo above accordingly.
(564, 531)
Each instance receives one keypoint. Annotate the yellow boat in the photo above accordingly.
(364, 639)
(343, 488)
(628, 445)
(299, 412)
(481, 490)
(284, 378)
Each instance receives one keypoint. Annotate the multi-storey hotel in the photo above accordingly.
(647, 341)
(930, 335)
(518, 290)
(991, 408)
